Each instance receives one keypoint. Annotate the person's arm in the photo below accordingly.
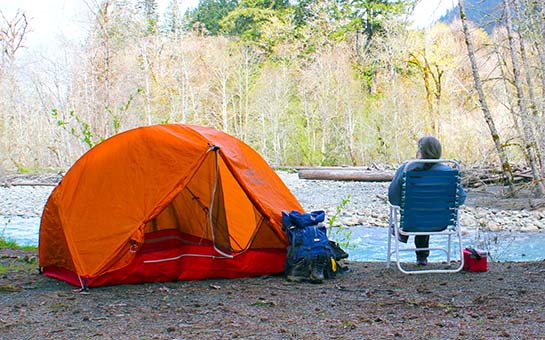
(462, 195)
(394, 190)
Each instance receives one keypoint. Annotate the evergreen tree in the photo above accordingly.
(303, 12)
(173, 22)
(148, 9)
(248, 18)
(208, 15)
(367, 17)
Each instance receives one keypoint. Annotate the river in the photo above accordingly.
(363, 244)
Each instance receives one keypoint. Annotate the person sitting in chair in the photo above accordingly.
(428, 148)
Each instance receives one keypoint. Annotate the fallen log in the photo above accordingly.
(472, 177)
(28, 184)
(343, 174)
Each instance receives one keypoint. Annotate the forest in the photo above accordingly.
(309, 82)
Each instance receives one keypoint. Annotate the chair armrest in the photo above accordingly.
(393, 206)
(393, 214)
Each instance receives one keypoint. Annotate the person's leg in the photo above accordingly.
(422, 241)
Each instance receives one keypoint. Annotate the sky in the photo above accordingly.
(44, 18)
(428, 11)
(57, 20)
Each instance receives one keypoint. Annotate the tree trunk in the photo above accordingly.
(505, 166)
(503, 65)
(529, 137)
(432, 77)
(533, 104)
(535, 14)
(542, 54)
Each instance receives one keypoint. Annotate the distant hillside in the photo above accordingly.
(484, 13)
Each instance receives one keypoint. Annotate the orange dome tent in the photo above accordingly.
(165, 202)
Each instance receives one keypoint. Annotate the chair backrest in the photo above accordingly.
(429, 200)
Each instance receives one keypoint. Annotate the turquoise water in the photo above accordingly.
(23, 230)
(370, 243)
(364, 244)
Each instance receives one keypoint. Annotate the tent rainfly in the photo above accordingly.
(162, 203)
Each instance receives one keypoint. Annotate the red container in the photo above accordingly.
(475, 260)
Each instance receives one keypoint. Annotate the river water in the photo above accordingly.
(363, 244)
(370, 244)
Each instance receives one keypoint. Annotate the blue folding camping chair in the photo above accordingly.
(429, 206)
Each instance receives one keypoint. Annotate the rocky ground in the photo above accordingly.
(368, 302)
(485, 208)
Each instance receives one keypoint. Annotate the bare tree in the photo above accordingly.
(12, 36)
(529, 137)
(541, 51)
(432, 75)
(502, 65)
(532, 17)
(535, 10)
(505, 165)
(173, 23)
(100, 82)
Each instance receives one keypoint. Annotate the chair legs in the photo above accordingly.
(395, 249)
(389, 247)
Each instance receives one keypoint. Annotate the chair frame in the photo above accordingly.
(450, 231)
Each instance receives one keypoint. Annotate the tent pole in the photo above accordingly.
(215, 149)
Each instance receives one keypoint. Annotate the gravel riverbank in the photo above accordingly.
(485, 209)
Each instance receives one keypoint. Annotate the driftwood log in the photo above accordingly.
(28, 184)
(471, 177)
(31, 180)
(477, 177)
(346, 174)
